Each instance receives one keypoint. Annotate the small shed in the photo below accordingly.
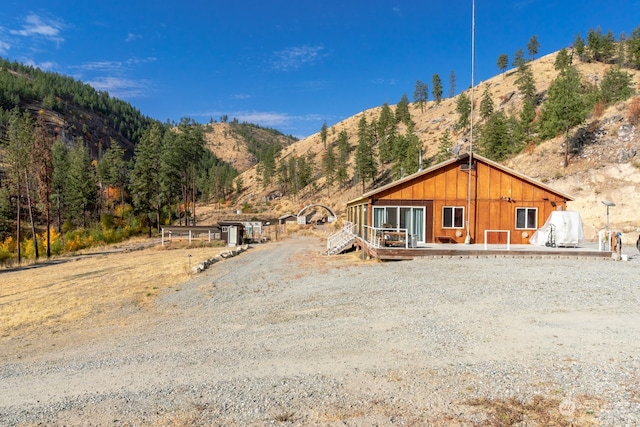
(288, 219)
(232, 232)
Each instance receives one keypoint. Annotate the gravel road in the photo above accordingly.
(282, 335)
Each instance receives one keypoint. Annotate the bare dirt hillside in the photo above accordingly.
(228, 144)
(607, 168)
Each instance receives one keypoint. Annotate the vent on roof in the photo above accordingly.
(464, 166)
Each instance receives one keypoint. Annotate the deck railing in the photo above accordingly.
(379, 237)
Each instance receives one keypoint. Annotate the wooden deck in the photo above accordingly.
(478, 251)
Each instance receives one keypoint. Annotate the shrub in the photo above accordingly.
(57, 244)
(7, 249)
(106, 221)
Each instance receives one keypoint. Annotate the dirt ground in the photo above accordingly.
(283, 335)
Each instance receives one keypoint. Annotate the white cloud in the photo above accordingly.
(132, 37)
(140, 61)
(45, 66)
(105, 66)
(263, 118)
(4, 48)
(241, 96)
(293, 58)
(121, 87)
(36, 26)
(382, 81)
(113, 77)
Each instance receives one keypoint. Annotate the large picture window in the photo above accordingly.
(526, 218)
(452, 217)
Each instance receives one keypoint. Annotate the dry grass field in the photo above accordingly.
(92, 286)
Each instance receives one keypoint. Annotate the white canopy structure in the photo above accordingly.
(562, 228)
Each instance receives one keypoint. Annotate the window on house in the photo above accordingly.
(526, 218)
(452, 217)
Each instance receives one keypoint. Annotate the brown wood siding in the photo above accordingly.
(495, 195)
(450, 184)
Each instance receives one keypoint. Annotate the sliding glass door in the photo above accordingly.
(407, 217)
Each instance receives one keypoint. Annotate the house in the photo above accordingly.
(469, 199)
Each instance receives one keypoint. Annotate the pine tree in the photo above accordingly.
(146, 175)
(518, 58)
(436, 88)
(344, 149)
(616, 85)
(444, 149)
(323, 134)
(19, 145)
(633, 49)
(486, 104)
(81, 184)
(60, 161)
(495, 137)
(292, 169)
(525, 82)
(410, 160)
(402, 110)
(420, 95)
(621, 59)
(527, 115)
(366, 167)
(579, 46)
(503, 62)
(563, 60)
(190, 141)
(387, 133)
(463, 108)
(113, 170)
(533, 46)
(305, 168)
(42, 163)
(329, 166)
(171, 170)
(452, 84)
(564, 108)
(284, 177)
(608, 47)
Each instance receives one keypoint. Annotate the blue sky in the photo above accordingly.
(286, 64)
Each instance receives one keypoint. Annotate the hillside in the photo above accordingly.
(72, 109)
(607, 168)
(239, 144)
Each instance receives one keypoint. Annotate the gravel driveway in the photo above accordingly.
(282, 335)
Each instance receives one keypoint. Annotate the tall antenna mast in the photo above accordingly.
(467, 239)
